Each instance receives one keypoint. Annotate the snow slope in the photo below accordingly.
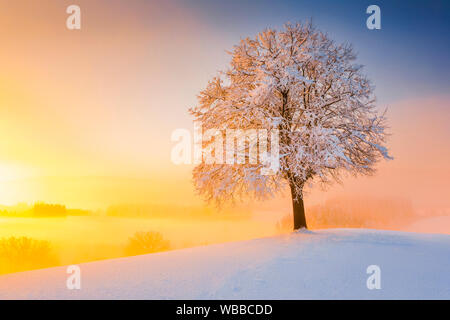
(325, 264)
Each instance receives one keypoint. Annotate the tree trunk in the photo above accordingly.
(299, 210)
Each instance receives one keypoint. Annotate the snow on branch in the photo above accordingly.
(300, 82)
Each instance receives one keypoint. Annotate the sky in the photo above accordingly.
(86, 115)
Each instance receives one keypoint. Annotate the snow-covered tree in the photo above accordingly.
(307, 87)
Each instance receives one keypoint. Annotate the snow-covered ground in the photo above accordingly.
(325, 264)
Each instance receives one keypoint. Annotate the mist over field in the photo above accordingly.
(75, 236)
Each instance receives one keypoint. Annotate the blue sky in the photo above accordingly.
(408, 56)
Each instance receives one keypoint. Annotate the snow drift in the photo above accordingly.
(325, 264)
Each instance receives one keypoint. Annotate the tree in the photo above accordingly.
(309, 89)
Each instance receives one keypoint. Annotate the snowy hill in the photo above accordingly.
(326, 264)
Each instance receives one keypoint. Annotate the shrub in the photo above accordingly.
(146, 242)
(21, 254)
(356, 212)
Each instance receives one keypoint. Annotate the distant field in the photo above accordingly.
(78, 239)
(88, 238)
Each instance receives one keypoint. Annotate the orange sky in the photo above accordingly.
(419, 143)
(86, 116)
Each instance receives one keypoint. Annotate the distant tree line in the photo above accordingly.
(41, 210)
